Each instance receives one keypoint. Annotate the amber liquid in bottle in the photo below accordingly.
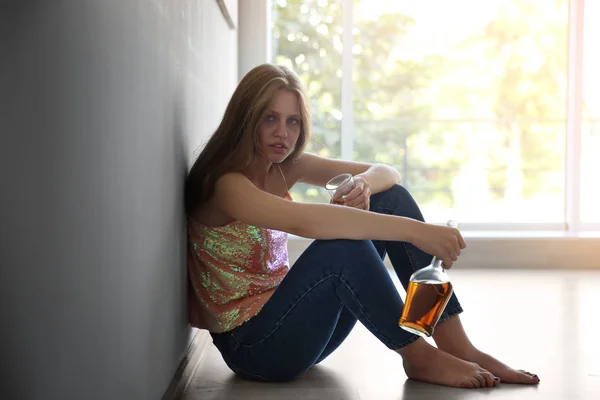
(425, 303)
(427, 295)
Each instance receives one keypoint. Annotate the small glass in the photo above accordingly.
(339, 187)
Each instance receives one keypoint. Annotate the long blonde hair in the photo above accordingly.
(233, 145)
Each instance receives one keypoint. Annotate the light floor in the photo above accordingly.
(542, 321)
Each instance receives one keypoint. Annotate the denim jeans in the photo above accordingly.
(333, 284)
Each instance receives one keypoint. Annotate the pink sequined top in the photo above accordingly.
(233, 271)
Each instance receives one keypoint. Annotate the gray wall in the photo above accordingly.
(101, 105)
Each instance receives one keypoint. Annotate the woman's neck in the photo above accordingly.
(258, 171)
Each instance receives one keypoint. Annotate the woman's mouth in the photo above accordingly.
(278, 148)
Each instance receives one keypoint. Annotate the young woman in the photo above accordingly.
(271, 322)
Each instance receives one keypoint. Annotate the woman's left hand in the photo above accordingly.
(360, 196)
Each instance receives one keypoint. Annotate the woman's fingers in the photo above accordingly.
(457, 247)
(360, 195)
(354, 201)
(361, 205)
(354, 194)
(447, 261)
(454, 246)
(361, 202)
(443, 242)
(451, 254)
(461, 241)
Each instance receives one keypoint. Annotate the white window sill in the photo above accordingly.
(514, 249)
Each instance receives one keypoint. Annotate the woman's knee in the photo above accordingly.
(396, 192)
(396, 200)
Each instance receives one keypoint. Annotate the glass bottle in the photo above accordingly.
(428, 292)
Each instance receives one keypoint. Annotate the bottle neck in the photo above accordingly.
(436, 263)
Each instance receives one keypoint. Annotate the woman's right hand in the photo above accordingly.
(443, 242)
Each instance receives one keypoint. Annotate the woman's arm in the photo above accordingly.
(240, 199)
(380, 177)
(317, 170)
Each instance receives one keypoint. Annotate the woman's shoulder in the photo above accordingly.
(210, 215)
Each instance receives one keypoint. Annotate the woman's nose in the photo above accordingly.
(281, 130)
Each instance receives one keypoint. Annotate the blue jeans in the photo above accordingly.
(333, 284)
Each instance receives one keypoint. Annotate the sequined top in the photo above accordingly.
(233, 271)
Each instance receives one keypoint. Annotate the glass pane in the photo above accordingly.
(470, 107)
(590, 194)
(590, 168)
(307, 37)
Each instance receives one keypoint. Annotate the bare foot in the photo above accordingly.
(450, 336)
(498, 368)
(424, 362)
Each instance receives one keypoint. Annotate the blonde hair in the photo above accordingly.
(233, 146)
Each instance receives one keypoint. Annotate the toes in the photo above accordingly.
(481, 379)
(467, 385)
(527, 377)
(491, 380)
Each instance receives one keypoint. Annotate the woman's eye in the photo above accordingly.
(293, 121)
(269, 118)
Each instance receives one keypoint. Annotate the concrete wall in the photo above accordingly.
(102, 103)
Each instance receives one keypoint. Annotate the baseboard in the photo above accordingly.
(187, 366)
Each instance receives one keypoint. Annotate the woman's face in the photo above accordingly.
(279, 130)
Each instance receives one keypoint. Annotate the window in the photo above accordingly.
(590, 192)
(470, 107)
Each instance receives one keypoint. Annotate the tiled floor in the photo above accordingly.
(542, 321)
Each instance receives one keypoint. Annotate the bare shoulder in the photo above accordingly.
(229, 185)
(211, 213)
